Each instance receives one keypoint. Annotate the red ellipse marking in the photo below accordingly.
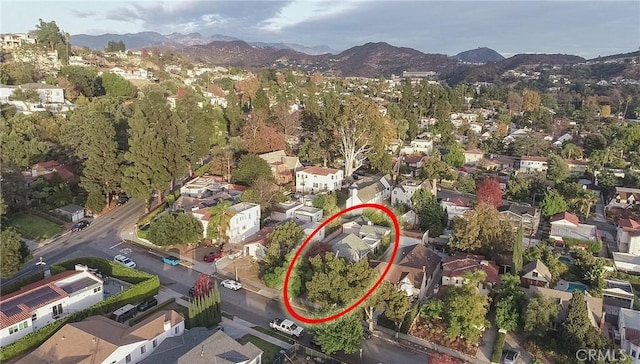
(396, 246)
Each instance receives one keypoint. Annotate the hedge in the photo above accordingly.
(15, 286)
(145, 285)
(406, 323)
(497, 347)
(594, 246)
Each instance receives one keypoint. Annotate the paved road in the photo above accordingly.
(102, 239)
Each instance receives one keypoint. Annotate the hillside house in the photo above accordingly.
(577, 168)
(596, 313)
(369, 190)
(50, 168)
(530, 164)
(625, 197)
(282, 166)
(473, 156)
(245, 221)
(319, 179)
(420, 145)
(131, 73)
(11, 41)
(404, 191)
(523, 216)
(454, 269)
(616, 294)
(628, 236)
(47, 94)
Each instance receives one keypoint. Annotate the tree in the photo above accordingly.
(583, 201)
(261, 101)
(465, 183)
(327, 202)
(530, 100)
(116, 86)
(577, 331)
(219, 221)
(509, 303)
(548, 257)
(605, 111)
(483, 228)
(205, 310)
(514, 101)
(489, 192)
(465, 312)
(261, 138)
(280, 242)
(175, 229)
(434, 168)
(518, 253)
(49, 34)
(455, 157)
(518, 187)
(11, 258)
(233, 114)
(250, 168)
(113, 46)
(20, 143)
(431, 216)
(558, 169)
(539, 315)
(571, 151)
(80, 80)
(553, 203)
(377, 301)
(286, 121)
(19, 73)
(344, 333)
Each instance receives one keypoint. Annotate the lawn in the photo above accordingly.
(271, 351)
(34, 227)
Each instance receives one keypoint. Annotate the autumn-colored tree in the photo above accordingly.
(530, 100)
(483, 229)
(319, 248)
(203, 285)
(605, 111)
(514, 101)
(316, 78)
(286, 121)
(489, 191)
(247, 89)
(262, 138)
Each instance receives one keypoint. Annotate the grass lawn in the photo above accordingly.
(34, 227)
(271, 351)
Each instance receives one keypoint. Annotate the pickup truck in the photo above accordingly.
(287, 327)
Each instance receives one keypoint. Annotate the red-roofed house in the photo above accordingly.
(456, 206)
(48, 169)
(318, 179)
(282, 166)
(454, 269)
(41, 303)
(567, 225)
(628, 236)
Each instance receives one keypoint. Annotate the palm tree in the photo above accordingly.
(219, 221)
(571, 151)
(584, 200)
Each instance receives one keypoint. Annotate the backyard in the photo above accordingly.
(34, 227)
(271, 351)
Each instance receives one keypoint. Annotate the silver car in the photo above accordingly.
(231, 284)
(121, 259)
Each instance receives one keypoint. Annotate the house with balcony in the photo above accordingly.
(629, 329)
(98, 339)
(43, 302)
(369, 190)
(404, 191)
(616, 294)
(11, 41)
(628, 236)
(530, 164)
(282, 166)
(414, 162)
(455, 268)
(523, 216)
(319, 179)
(414, 272)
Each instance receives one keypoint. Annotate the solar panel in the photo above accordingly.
(10, 310)
(39, 296)
(78, 285)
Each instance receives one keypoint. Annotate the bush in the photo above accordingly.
(108, 268)
(384, 321)
(202, 170)
(497, 347)
(593, 246)
(15, 286)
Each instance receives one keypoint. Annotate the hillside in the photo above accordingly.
(479, 55)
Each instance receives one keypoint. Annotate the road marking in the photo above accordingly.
(116, 245)
(125, 251)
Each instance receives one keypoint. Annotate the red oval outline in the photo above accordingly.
(396, 246)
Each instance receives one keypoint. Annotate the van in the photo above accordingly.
(124, 313)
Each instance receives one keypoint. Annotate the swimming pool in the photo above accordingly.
(575, 286)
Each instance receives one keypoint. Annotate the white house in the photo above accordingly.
(100, 340)
(308, 214)
(285, 210)
(15, 40)
(629, 328)
(566, 137)
(628, 236)
(369, 190)
(456, 206)
(47, 94)
(318, 179)
(403, 192)
(473, 156)
(577, 167)
(417, 146)
(529, 164)
(41, 303)
(131, 73)
(245, 221)
(567, 225)
(200, 187)
(625, 197)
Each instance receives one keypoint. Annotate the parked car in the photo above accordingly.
(367, 334)
(231, 284)
(124, 261)
(171, 260)
(147, 304)
(213, 256)
(122, 199)
(80, 225)
(511, 357)
(192, 291)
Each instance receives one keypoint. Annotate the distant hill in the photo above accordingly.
(479, 55)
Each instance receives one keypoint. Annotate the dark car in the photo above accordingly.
(80, 225)
(147, 304)
(122, 199)
(367, 334)
(213, 256)
(192, 291)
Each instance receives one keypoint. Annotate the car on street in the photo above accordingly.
(171, 260)
(192, 291)
(147, 304)
(231, 284)
(80, 225)
(213, 256)
(367, 334)
(122, 199)
(511, 356)
(121, 259)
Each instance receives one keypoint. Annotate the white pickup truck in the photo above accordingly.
(287, 326)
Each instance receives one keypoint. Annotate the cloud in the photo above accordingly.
(83, 14)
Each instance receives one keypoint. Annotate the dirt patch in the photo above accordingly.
(436, 332)
(247, 269)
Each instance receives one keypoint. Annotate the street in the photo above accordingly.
(102, 239)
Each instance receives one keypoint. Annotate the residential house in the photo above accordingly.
(351, 247)
(566, 137)
(627, 263)
(72, 212)
(497, 163)
(530, 164)
(625, 197)
(256, 245)
(414, 162)
(11, 41)
(616, 294)
(49, 168)
(473, 156)
(594, 304)
(47, 94)
(628, 236)
(567, 225)
(536, 274)
(131, 73)
(420, 145)
(577, 167)
(404, 191)
(456, 206)
(285, 210)
(200, 345)
(43, 302)
(454, 268)
(318, 179)
(245, 221)
(97, 339)
(523, 216)
(629, 329)
(415, 269)
(369, 190)
(282, 166)
(308, 214)
(200, 187)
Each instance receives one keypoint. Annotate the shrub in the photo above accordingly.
(593, 246)
(15, 286)
(497, 347)
(32, 340)
(108, 268)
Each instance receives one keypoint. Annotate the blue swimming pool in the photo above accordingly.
(574, 286)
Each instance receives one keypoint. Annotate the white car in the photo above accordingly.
(231, 284)
(124, 261)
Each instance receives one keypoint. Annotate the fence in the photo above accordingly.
(298, 350)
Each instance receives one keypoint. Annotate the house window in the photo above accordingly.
(34, 317)
(57, 310)
(97, 289)
(535, 274)
(13, 330)
(155, 342)
(176, 330)
(143, 349)
(127, 358)
(633, 353)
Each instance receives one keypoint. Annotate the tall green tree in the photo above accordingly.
(261, 100)
(455, 157)
(175, 229)
(483, 229)
(553, 203)
(577, 331)
(343, 334)
(116, 86)
(233, 114)
(558, 169)
(431, 216)
(113, 46)
(518, 251)
(20, 142)
(250, 168)
(509, 303)
(465, 312)
(11, 259)
(539, 315)
(49, 34)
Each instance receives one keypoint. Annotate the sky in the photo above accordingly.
(584, 28)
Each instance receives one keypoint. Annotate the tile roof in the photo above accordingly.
(413, 158)
(629, 224)
(321, 171)
(459, 264)
(410, 261)
(632, 335)
(47, 164)
(533, 158)
(565, 216)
